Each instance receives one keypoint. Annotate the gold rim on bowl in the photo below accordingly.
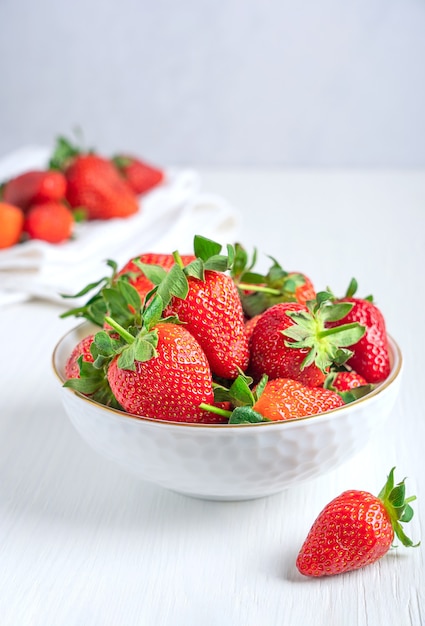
(397, 362)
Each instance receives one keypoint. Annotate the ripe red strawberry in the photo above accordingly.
(138, 278)
(213, 313)
(250, 325)
(139, 175)
(371, 358)
(11, 224)
(206, 300)
(347, 380)
(170, 384)
(271, 400)
(284, 398)
(34, 187)
(82, 349)
(290, 341)
(86, 370)
(355, 529)
(51, 221)
(94, 185)
(304, 291)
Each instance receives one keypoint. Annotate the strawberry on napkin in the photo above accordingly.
(172, 213)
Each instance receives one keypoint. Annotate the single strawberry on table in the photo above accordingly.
(356, 529)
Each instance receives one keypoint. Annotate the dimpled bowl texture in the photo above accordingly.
(227, 462)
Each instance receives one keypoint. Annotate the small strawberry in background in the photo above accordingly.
(11, 224)
(356, 529)
(93, 183)
(76, 180)
(49, 221)
(140, 176)
(34, 187)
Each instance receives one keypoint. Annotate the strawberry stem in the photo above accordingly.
(259, 288)
(327, 332)
(128, 337)
(177, 258)
(397, 505)
(215, 409)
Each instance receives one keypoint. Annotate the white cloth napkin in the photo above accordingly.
(169, 218)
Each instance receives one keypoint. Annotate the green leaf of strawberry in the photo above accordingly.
(398, 506)
(93, 382)
(205, 248)
(63, 153)
(246, 415)
(326, 346)
(241, 397)
(259, 292)
(141, 346)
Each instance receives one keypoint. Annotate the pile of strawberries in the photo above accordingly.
(77, 185)
(204, 338)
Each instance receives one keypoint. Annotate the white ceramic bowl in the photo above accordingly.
(227, 462)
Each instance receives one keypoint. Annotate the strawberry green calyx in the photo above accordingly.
(208, 257)
(398, 507)
(349, 395)
(114, 296)
(326, 346)
(174, 282)
(259, 292)
(93, 381)
(241, 397)
(121, 161)
(352, 290)
(139, 343)
(64, 152)
(136, 342)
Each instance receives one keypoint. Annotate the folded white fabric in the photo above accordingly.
(169, 217)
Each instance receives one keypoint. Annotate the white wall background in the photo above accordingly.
(219, 83)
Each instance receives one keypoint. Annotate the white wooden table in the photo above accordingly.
(84, 544)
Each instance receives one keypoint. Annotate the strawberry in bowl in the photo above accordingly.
(163, 378)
